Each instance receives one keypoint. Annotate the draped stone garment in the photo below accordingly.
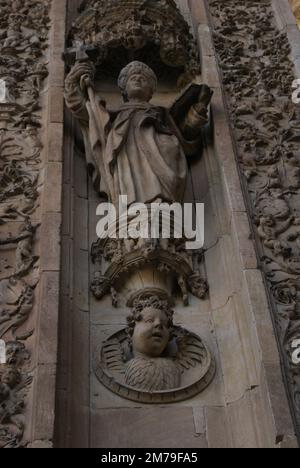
(137, 150)
(144, 156)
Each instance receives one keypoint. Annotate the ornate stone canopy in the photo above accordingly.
(153, 31)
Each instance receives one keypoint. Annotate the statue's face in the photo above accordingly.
(151, 334)
(138, 87)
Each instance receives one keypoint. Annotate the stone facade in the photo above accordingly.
(266, 122)
(231, 309)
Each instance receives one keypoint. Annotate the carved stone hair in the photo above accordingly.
(152, 302)
(136, 67)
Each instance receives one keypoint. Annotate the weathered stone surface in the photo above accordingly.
(113, 428)
(44, 406)
(242, 424)
(218, 430)
(48, 330)
(50, 241)
(52, 196)
(232, 355)
(55, 139)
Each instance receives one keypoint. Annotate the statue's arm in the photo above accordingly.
(76, 85)
(190, 112)
(194, 121)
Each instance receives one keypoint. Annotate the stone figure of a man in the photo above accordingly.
(138, 150)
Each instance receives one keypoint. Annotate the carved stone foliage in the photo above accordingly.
(24, 29)
(153, 31)
(257, 76)
(153, 361)
(14, 383)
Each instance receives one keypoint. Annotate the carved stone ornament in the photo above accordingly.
(23, 39)
(115, 32)
(258, 74)
(13, 390)
(152, 361)
(125, 147)
(139, 151)
(125, 259)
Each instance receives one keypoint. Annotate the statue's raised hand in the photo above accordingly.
(82, 74)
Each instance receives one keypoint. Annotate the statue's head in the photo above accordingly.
(137, 81)
(150, 326)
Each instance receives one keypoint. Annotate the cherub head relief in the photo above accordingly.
(137, 82)
(150, 327)
(153, 360)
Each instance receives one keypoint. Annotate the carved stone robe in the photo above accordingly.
(137, 150)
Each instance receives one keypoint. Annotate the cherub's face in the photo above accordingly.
(138, 87)
(10, 378)
(152, 333)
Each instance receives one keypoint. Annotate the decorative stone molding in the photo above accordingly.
(257, 75)
(23, 68)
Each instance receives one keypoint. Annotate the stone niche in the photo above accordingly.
(235, 409)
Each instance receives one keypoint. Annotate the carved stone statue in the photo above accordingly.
(138, 150)
(153, 361)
